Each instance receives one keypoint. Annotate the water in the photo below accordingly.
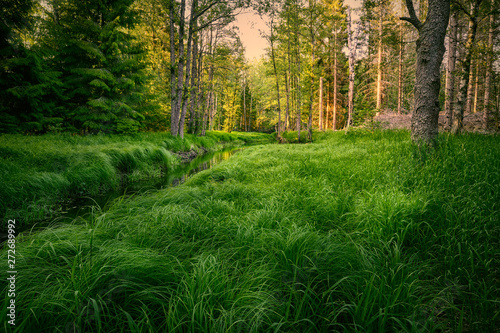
(84, 206)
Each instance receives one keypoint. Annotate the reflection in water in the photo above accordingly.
(83, 206)
(200, 163)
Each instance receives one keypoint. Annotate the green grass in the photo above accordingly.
(354, 233)
(37, 172)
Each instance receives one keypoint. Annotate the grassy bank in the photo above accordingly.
(354, 233)
(37, 172)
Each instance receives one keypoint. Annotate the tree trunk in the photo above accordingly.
(489, 62)
(193, 95)
(174, 115)
(311, 90)
(335, 82)
(379, 63)
(476, 88)
(470, 89)
(277, 79)
(464, 83)
(352, 42)
(328, 98)
(400, 70)
(185, 91)
(250, 114)
(244, 106)
(320, 104)
(176, 112)
(430, 51)
(299, 87)
(450, 71)
(287, 88)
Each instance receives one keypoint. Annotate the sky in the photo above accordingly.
(251, 25)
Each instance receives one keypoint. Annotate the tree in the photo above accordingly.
(29, 88)
(450, 69)
(353, 44)
(457, 123)
(489, 63)
(101, 64)
(430, 51)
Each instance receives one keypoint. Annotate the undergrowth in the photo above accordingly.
(358, 232)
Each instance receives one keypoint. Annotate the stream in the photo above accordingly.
(83, 206)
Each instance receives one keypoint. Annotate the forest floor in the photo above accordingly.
(473, 122)
(360, 231)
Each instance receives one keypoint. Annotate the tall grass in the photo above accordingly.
(37, 172)
(358, 232)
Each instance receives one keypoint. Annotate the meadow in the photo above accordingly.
(39, 174)
(357, 232)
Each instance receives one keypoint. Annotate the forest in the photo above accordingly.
(154, 178)
(128, 66)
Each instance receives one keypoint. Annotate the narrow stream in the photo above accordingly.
(82, 207)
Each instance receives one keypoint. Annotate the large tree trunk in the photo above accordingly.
(430, 51)
(464, 83)
(450, 70)
(489, 62)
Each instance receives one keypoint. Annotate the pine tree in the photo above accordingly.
(101, 63)
(27, 87)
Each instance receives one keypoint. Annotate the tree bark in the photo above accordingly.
(174, 115)
(476, 88)
(311, 90)
(320, 104)
(244, 105)
(487, 83)
(379, 63)
(430, 51)
(457, 124)
(193, 96)
(352, 42)
(335, 82)
(400, 69)
(276, 76)
(176, 112)
(450, 71)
